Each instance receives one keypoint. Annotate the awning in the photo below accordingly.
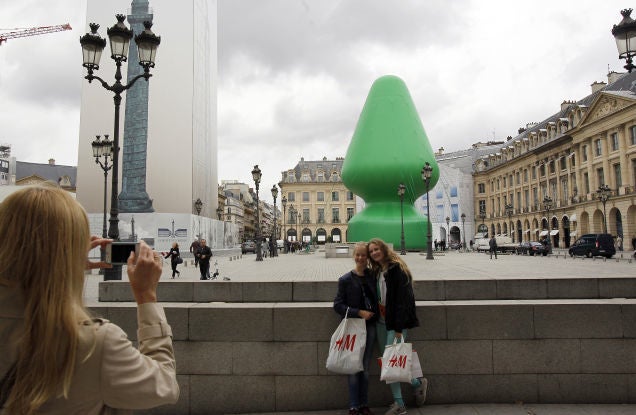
(573, 217)
(554, 232)
(543, 233)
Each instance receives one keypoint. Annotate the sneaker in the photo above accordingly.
(353, 411)
(364, 410)
(420, 392)
(396, 409)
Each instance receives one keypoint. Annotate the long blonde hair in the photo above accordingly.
(43, 251)
(391, 257)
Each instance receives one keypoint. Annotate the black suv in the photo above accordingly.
(594, 244)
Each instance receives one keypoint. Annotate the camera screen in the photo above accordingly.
(120, 251)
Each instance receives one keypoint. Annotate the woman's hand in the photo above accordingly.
(398, 335)
(365, 314)
(144, 272)
(95, 242)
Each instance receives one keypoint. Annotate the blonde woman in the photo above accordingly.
(397, 311)
(54, 357)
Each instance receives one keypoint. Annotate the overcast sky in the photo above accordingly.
(294, 74)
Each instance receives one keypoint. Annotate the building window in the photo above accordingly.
(632, 135)
(510, 181)
(349, 195)
(453, 191)
(454, 212)
(542, 170)
(335, 215)
(573, 159)
(551, 166)
(534, 172)
(562, 163)
(526, 195)
(617, 175)
(291, 197)
(518, 178)
(305, 196)
(321, 215)
(525, 175)
(481, 187)
(598, 149)
(600, 177)
(614, 141)
(586, 182)
(320, 196)
(440, 214)
(335, 196)
(584, 153)
(439, 194)
(305, 215)
(482, 206)
(349, 213)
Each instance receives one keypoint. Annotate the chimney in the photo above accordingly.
(613, 77)
(51, 162)
(509, 138)
(597, 86)
(531, 125)
(565, 104)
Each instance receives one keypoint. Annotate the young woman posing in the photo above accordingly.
(397, 311)
(356, 291)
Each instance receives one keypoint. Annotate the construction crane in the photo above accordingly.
(33, 31)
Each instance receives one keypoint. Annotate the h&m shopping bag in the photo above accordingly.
(347, 346)
(396, 362)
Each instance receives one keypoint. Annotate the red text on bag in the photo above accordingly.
(346, 342)
(396, 361)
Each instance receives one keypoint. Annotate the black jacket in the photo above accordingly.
(400, 300)
(350, 295)
(173, 254)
(204, 251)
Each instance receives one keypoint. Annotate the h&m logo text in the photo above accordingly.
(398, 361)
(346, 342)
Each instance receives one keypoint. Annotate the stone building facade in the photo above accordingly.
(567, 157)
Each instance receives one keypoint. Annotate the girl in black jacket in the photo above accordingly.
(174, 257)
(397, 311)
(356, 291)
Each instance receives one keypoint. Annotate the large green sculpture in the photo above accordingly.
(388, 147)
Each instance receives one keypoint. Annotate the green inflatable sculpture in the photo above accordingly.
(389, 147)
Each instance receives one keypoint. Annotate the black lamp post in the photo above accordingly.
(284, 203)
(547, 205)
(463, 216)
(256, 175)
(625, 35)
(401, 190)
(292, 214)
(219, 212)
(482, 216)
(427, 171)
(447, 244)
(274, 234)
(198, 205)
(103, 148)
(509, 209)
(92, 47)
(603, 194)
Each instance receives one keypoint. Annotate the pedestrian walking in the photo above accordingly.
(397, 312)
(357, 293)
(174, 256)
(194, 248)
(492, 244)
(55, 358)
(204, 253)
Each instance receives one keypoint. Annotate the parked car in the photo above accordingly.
(593, 244)
(248, 246)
(532, 248)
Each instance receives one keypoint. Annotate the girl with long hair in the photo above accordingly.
(397, 311)
(54, 357)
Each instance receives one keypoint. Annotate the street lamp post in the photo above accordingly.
(625, 35)
(92, 47)
(427, 171)
(509, 209)
(198, 205)
(547, 205)
(482, 216)
(283, 201)
(274, 234)
(219, 212)
(603, 194)
(401, 190)
(256, 175)
(103, 148)
(463, 216)
(447, 242)
(292, 214)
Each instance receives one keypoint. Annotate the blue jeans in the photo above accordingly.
(359, 382)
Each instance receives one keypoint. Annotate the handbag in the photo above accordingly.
(179, 260)
(346, 349)
(396, 362)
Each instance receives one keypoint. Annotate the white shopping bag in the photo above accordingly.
(396, 362)
(416, 367)
(347, 346)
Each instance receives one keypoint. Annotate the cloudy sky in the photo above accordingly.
(294, 74)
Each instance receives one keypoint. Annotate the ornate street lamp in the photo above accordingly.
(256, 175)
(463, 216)
(103, 148)
(219, 212)
(625, 35)
(509, 209)
(284, 203)
(482, 216)
(198, 205)
(401, 190)
(603, 194)
(447, 244)
(547, 205)
(292, 217)
(92, 47)
(427, 171)
(274, 234)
